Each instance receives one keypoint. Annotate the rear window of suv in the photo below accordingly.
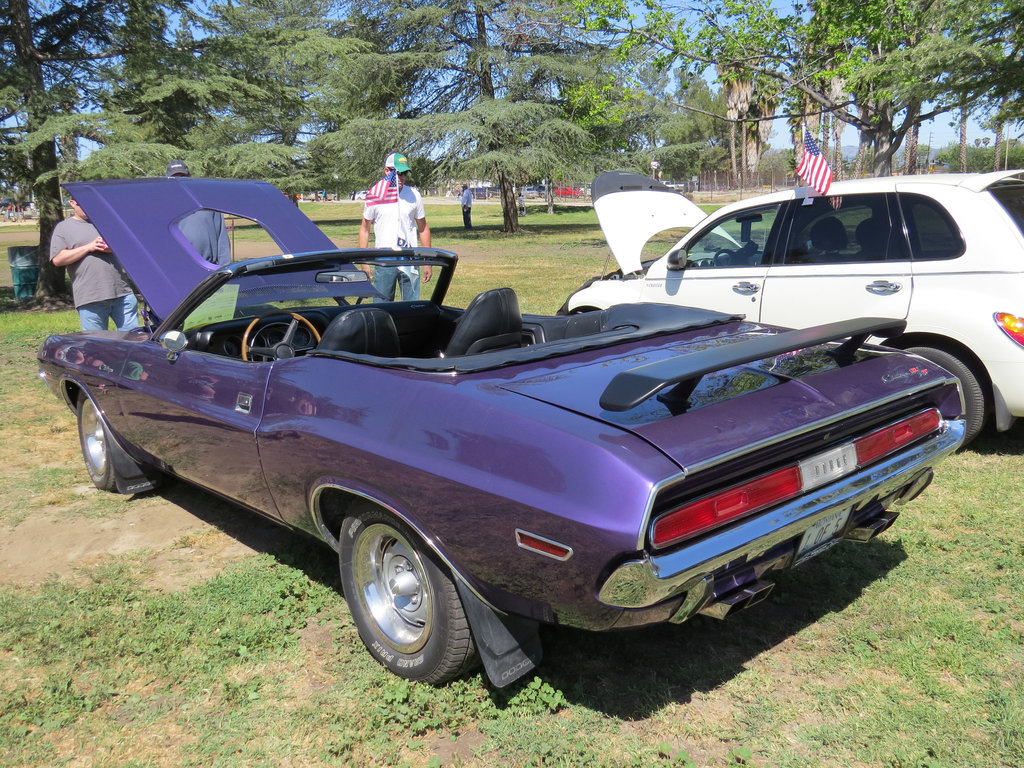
(1010, 195)
(932, 231)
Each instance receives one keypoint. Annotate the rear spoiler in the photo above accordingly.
(630, 388)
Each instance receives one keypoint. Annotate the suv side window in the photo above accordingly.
(844, 230)
(932, 231)
(742, 240)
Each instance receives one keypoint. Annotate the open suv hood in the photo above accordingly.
(139, 220)
(632, 209)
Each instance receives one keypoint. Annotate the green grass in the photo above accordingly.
(907, 652)
(551, 257)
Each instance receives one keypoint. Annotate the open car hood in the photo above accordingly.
(632, 208)
(139, 220)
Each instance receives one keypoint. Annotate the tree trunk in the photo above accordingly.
(910, 166)
(732, 154)
(52, 284)
(509, 208)
(485, 73)
(963, 140)
(837, 88)
(998, 147)
(886, 141)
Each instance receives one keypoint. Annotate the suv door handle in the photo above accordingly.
(884, 287)
(746, 288)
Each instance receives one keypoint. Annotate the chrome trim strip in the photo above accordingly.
(652, 578)
(333, 543)
(774, 439)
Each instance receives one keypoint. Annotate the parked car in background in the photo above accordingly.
(943, 252)
(566, 191)
(479, 471)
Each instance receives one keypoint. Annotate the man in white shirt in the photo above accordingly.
(395, 210)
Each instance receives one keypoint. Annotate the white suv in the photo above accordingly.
(945, 252)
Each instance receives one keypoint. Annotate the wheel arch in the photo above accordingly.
(71, 391)
(508, 646)
(953, 347)
(130, 475)
(331, 503)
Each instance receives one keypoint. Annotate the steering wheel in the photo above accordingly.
(723, 256)
(282, 349)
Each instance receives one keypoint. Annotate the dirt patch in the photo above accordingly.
(189, 535)
(51, 544)
(462, 750)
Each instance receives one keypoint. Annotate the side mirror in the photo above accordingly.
(173, 342)
(676, 261)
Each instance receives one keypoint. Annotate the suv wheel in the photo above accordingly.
(975, 406)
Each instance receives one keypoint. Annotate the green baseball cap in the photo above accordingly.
(397, 161)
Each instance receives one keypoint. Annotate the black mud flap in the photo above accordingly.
(130, 475)
(509, 646)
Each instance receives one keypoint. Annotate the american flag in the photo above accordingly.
(814, 168)
(384, 191)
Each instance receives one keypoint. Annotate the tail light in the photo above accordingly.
(747, 498)
(888, 439)
(1011, 325)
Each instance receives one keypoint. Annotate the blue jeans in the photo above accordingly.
(386, 278)
(123, 311)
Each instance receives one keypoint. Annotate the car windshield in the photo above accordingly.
(304, 285)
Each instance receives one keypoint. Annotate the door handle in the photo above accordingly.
(884, 287)
(746, 288)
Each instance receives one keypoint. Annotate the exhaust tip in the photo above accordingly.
(915, 487)
(736, 601)
(867, 530)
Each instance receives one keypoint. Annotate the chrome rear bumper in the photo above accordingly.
(655, 577)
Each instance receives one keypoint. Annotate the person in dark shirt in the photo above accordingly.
(204, 229)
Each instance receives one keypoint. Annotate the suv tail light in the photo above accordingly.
(762, 492)
(1011, 325)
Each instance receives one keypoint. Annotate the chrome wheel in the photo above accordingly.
(93, 437)
(394, 587)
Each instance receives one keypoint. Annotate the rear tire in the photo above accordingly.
(403, 602)
(975, 406)
(95, 442)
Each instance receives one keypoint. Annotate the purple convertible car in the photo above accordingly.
(481, 471)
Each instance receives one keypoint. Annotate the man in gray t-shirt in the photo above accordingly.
(98, 285)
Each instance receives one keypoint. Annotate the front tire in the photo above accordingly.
(95, 442)
(975, 407)
(403, 602)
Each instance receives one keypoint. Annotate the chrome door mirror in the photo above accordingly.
(173, 342)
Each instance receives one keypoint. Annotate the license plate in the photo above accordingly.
(821, 535)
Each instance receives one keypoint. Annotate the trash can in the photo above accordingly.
(24, 270)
